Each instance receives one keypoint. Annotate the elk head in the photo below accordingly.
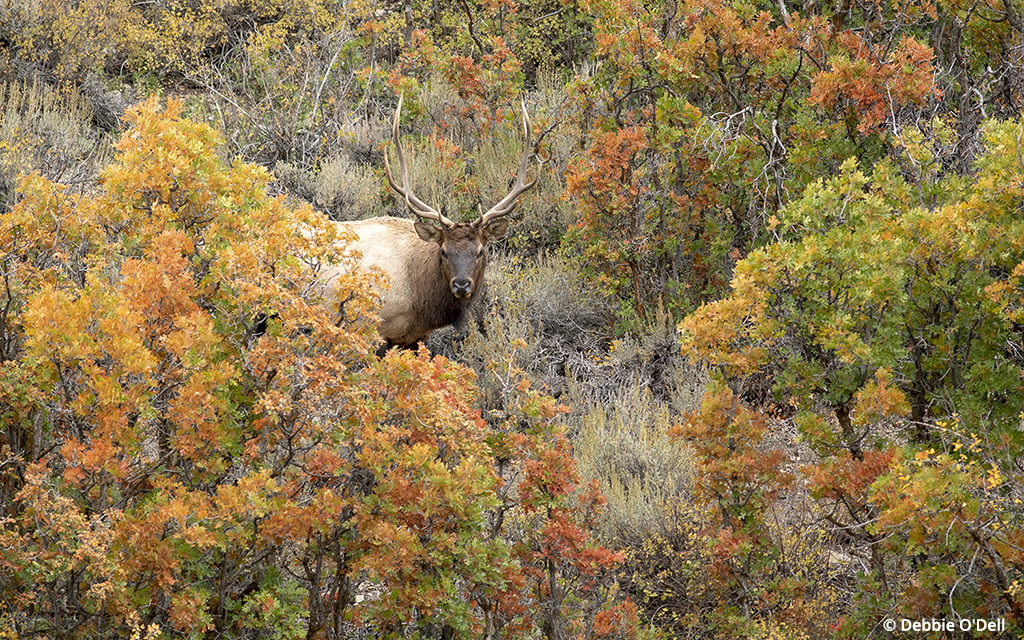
(462, 245)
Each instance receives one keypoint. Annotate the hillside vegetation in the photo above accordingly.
(750, 362)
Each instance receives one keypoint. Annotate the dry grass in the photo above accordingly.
(341, 189)
(49, 131)
(625, 446)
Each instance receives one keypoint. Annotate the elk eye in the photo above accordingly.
(444, 254)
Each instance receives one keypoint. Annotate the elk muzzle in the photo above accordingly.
(461, 287)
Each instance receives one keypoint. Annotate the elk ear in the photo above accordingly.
(427, 231)
(494, 229)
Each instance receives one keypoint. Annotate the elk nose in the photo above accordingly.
(461, 287)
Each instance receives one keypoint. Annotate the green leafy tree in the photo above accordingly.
(879, 323)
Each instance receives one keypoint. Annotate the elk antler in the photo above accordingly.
(414, 204)
(506, 204)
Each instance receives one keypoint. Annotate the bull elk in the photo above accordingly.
(435, 266)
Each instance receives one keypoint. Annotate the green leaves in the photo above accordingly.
(876, 323)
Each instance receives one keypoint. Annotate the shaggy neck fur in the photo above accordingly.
(437, 307)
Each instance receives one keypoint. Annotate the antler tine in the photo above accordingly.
(508, 203)
(413, 203)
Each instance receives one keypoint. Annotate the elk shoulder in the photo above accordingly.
(415, 299)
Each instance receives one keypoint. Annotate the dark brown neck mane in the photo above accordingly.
(434, 303)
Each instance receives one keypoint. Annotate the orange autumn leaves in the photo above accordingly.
(875, 84)
(705, 119)
(170, 459)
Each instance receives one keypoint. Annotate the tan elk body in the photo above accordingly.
(434, 271)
